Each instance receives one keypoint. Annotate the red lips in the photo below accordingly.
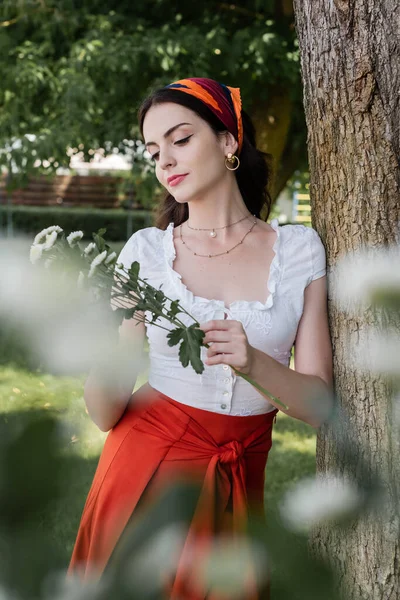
(170, 179)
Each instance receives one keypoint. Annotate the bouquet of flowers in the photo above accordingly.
(128, 295)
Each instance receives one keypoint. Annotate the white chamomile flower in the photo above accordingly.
(110, 258)
(74, 237)
(96, 262)
(50, 240)
(89, 248)
(35, 253)
(45, 232)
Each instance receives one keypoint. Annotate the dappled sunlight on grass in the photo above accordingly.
(295, 443)
(293, 434)
(62, 397)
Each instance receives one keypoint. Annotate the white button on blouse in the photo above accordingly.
(299, 258)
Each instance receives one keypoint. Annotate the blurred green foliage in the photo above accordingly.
(73, 74)
(33, 476)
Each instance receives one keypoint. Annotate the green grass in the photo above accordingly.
(292, 455)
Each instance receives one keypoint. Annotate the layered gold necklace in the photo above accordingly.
(213, 235)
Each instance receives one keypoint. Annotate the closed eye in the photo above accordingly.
(181, 142)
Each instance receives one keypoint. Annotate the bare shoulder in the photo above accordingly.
(263, 226)
(264, 232)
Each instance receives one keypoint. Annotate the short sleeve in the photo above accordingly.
(318, 256)
(128, 254)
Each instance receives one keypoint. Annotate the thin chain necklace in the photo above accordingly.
(220, 253)
(213, 234)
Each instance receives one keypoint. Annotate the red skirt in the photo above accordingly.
(156, 440)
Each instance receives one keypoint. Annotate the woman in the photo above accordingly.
(256, 288)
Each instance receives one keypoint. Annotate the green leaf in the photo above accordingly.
(134, 272)
(191, 339)
(174, 309)
(175, 336)
(99, 241)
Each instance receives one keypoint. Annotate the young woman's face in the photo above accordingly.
(181, 143)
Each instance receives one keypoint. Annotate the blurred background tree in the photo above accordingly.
(73, 74)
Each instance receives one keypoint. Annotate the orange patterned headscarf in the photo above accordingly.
(224, 101)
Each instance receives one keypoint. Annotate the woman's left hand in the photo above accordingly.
(229, 345)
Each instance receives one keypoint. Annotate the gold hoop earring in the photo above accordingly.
(231, 160)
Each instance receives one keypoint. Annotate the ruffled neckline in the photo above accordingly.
(189, 298)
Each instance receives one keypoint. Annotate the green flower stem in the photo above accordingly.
(148, 321)
(260, 388)
(159, 313)
(156, 310)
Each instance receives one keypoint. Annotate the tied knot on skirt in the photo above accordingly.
(231, 452)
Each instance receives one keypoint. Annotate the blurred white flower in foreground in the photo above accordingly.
(369, 350)
(58, 320)
(6, 594)
(81, 280)
(231, 564)
(225, 568)
(35, 253)
(59, 586)
(158, 559)
(358, 276)
(318, 499)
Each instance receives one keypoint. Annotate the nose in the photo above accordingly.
(166, 159)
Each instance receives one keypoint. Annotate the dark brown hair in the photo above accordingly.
(253, 174)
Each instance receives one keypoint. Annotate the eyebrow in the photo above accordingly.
(167, 133)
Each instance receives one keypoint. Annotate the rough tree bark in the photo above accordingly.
(350, 60)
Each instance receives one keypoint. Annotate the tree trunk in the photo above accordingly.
(350, 60)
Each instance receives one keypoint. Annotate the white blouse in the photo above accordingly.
(299, 258)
